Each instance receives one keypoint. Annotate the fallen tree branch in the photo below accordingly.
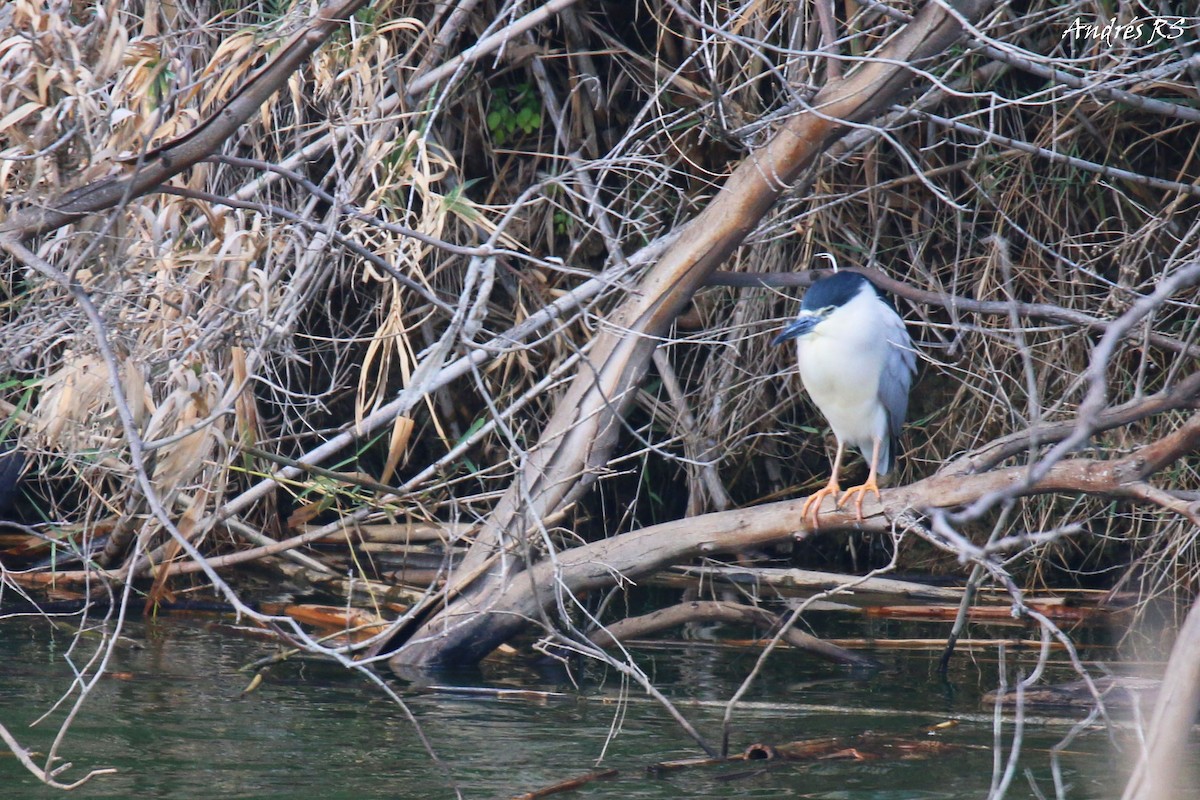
(804, 582)
(720, 611)
(479, 629)
(570, 784)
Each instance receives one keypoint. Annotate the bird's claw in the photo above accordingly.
(812, 506)
(861, 491)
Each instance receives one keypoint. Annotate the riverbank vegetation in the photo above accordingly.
(458, 315)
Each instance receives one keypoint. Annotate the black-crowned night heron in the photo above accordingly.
(857, 364)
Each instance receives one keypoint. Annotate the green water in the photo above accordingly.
(171, 720)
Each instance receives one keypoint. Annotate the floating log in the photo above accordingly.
(861, 747)
(1053, 608)
(807, 748)
(355, 623)
(721, 611)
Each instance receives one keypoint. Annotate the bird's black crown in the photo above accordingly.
(836, 290)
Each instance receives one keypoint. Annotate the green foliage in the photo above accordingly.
(470, 466)
(275, 9)
(164, 80)
(26, 387)
(458, 204)
(562, 223)
(515, 111)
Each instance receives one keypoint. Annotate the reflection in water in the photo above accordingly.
(171, 719)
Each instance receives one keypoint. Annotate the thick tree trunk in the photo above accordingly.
(579, 438)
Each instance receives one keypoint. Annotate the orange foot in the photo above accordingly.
(861, 491)
(812, 506)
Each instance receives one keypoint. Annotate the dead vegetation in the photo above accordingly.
(274, 278)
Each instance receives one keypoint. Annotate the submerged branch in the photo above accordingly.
(720, 611)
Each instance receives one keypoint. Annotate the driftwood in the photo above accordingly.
(993, 614)
(894, 643)
(863, 747)
(579, 438)
(569, 784)
(854, 590)
(717, 611)
(855, 643)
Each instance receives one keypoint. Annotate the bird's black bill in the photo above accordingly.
(796, 329)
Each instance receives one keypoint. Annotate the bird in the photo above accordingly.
(857, 363)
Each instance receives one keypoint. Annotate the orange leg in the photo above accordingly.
(870, 486)
(812, 506)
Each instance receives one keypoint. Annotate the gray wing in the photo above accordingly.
(898, 369)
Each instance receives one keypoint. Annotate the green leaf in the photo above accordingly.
(471, 431)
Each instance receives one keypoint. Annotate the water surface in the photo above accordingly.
(170, 717)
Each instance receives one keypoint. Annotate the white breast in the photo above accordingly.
(840, 362)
